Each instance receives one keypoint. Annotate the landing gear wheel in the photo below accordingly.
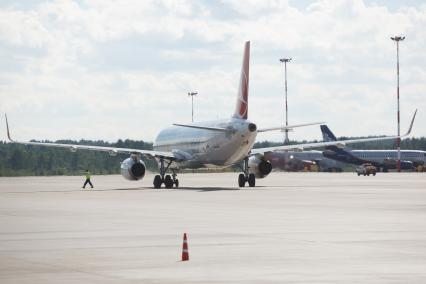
(241, 180)
(157, 181)
(251, 180)
(168, 182)
(176, 183)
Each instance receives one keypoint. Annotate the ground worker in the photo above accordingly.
(87, 174)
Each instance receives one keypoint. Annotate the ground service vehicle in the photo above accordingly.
(366, 170)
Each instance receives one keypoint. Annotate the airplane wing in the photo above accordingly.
(341, 143)
(288, 127)
(110, 150)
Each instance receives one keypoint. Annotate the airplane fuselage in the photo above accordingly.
(379, 158)
(416, 157)
(206, 148)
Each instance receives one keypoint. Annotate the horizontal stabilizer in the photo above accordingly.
(288, 127)
(204, 127)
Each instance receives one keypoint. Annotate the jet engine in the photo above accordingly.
(259, 166)
(133, 168)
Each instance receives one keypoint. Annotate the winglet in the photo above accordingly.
(411, 124)
(7, 127)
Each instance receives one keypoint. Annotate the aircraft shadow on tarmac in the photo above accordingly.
(207, 189)
(121, 189)
(199, 189)
(216, 188)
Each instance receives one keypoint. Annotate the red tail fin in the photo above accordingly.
(241, 109)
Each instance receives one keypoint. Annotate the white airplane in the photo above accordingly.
(219, 143)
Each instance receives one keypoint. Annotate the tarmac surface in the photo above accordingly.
(292, 228)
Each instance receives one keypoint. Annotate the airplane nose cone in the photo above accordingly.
(252, 127)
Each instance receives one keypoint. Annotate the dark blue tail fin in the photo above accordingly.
(327, 135)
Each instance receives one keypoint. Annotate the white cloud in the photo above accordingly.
(253, 7)
(22, 29)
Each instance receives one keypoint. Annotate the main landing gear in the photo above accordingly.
(245, 176)
(168, 180)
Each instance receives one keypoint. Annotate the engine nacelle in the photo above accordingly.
(133, 168)
(259, 166)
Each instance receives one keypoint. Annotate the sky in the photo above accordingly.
(108, 70)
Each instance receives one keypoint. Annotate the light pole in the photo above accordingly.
(397, 39)
(192, 94)
(285, 61)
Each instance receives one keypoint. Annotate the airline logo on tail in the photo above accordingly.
(327, 135)
(241, 109)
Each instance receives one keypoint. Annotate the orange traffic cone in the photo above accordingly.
(185, 253)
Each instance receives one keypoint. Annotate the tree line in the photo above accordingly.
(21, 160)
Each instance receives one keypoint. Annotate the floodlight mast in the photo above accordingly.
(285, 61)
(192, 94)
(397, 39)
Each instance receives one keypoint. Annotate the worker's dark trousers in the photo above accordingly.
(87, 182)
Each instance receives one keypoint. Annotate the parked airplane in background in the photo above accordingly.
(307, 160)
(383, 159)
(220, 143)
